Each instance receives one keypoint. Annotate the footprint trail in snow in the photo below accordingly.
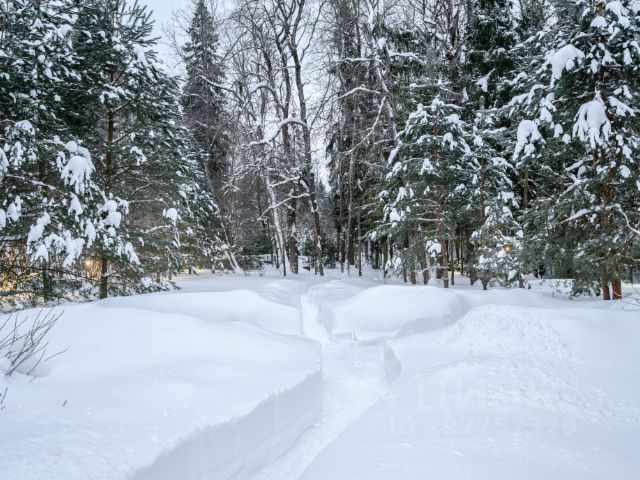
(353, 379)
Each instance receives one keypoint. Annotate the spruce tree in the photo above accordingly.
(492, 216)
(45, 173)
(427, 180)
(130, 122)
(583, 99)
(203, 99)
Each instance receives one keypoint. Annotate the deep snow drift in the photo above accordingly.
(147, 395)
(224, 380)
(506, 392)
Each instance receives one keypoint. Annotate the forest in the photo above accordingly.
(424, 139)
(319, 239)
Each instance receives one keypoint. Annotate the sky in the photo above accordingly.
(162, 16)
(162, 10)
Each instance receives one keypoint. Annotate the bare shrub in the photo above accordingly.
(23, 344)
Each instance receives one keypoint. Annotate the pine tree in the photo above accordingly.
(45, 173)
(130, 122)
(490, 63)
(583, 98)
(199, 224)
(427, 180)
(203, 99)
(496, 236)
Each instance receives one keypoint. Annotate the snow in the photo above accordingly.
(618, 9)
(142, 394)
(113, 217)
(598, 22)
(592, 123)
(171, 214)
(130, 253)
(36, 231)
(141, 55)
(483, 82)
(621, 109)
(624, 171)
(77, 171)
(564, 59)
(232, 306)
(391, 311)
(14, 210)
(527, 135)
(264, 378)
(504, 392)
(75, 206)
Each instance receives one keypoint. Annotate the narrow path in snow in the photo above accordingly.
(353, 379)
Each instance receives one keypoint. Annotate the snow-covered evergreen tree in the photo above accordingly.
(131, 125)
(583, 98)
(489, 61)
(427, 179)
(496, 236)
(492, 216)
(203, 99)
(45, 173)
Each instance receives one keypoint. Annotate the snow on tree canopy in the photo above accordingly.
(130, 253)
(75, 207)
(78, 170)
(592, 123)
(171, 214)
(563, 59)
(73, 247)
(12, 213)
(113, 217)
(598, 22)
(527, 134)
(15, 208)
(621, 109)
(36, 231)
(620, 11)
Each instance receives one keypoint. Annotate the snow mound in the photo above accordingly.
(380, 313)
(529, 358)
(144, 394)
(505, 392)
(236, 306)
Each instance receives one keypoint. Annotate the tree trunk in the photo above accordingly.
(453, 279)
(293, 242)
(340, 222)
(349, 231)
(310, 178)
(424, 266)
(375, 256)
(385, 259)
(616, 284)
(359, 241)
(604, 284)
(47, 284)
(412, 274)
(104, 278)
(277, 225)
(445, 263)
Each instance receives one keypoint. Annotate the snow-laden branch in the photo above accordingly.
(584, 211)
(284, 202)
(361, 88)
(268, 139)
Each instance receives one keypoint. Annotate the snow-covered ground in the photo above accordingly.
(264, 378)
